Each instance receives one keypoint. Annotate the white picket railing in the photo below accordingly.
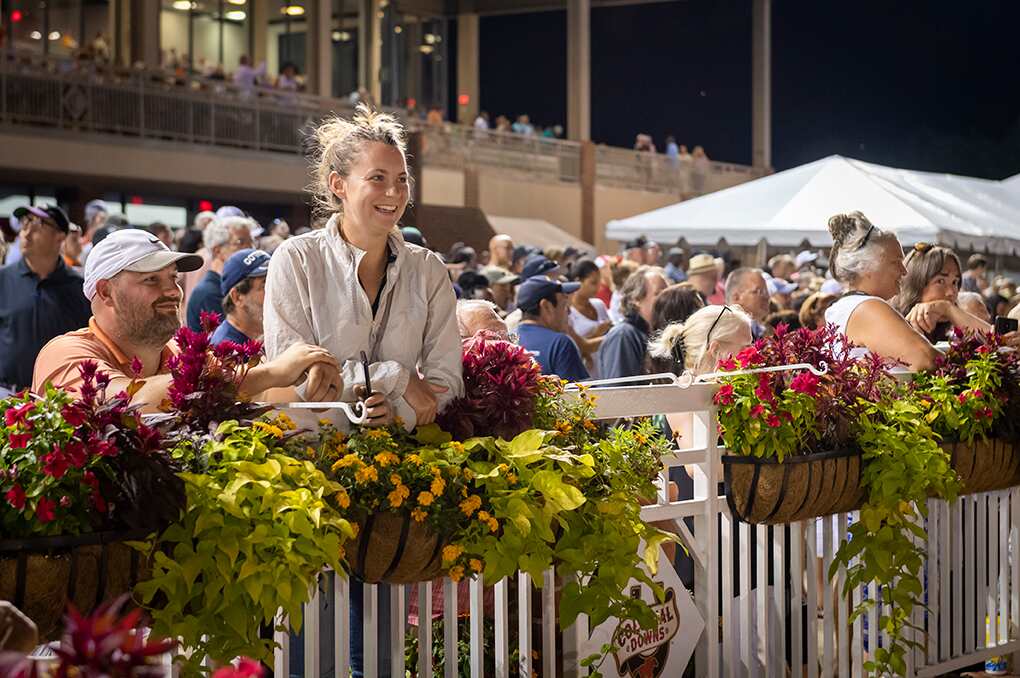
(795, 626)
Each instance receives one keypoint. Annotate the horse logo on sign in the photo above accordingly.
(643, 653)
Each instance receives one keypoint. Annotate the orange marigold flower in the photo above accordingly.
(468, 473)
(384, 459)
(418, 515)
(483, 516)
(425, 498)
(493, 525)
(438, 486)
(396, 498)
(511, 478)
(350, 459)
(342, 498)
(457, 573)
(451, 552)
(470, 505)
(395, 479)
(364, 475)
(476, 565)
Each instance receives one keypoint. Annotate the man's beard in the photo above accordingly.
(145, 325)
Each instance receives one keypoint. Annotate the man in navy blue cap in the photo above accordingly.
(243, 285)
(538, 264)
(544, 304)
(40, 296)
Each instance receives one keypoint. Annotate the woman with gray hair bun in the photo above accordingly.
(869, 263)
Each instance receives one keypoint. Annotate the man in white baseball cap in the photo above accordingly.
(131, 280)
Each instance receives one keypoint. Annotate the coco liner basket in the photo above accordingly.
(766, 492)
(395, 549)
(984, 465)
(41, 575)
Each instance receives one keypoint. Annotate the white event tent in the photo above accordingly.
(792, 206)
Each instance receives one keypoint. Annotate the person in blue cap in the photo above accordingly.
(544, 304)
(243, 285)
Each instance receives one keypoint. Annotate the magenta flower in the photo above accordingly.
(805, 383)
(16, 497)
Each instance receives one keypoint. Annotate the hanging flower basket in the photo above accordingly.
(767, 492)
(394, 549)
(41, 575)
(984, 465)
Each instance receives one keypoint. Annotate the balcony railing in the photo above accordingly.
(36, 91)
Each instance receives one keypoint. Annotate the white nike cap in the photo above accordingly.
(132, 249)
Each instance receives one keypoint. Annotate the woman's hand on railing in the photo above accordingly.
(422, 397)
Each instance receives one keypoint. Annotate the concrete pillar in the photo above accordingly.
(467, 67)
(144, 32)
(761, 83)
(588, 191)
(319, 50)
(472, 186)
(369, 48)
(578, 70)
(258, 15)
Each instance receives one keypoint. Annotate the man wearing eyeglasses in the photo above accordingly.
(222, 237)
(40, 296)
(746, 287)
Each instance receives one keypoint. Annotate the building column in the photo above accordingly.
(761, 83)
(369, 48)
(319, 51)
(144, 33)
(579, 70)
(588, 191)
(468, 87)
(258, 15)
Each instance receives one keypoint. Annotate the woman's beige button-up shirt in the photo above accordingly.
(313, 295)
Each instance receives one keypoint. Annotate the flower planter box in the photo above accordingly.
(766, 492)
(41, 575)
(984, 465)
(395, 549)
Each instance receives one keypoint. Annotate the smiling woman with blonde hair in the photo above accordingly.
(356, 288)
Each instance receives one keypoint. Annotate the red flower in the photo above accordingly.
(246, 668)
(727, 364)
(773, 421)
(55, 463)
(757, 410)
(805, 383)
(65, 501)
(45, 510)
(73, 415)
(764, 389)
(749, 356)
(961, 398)
(20, 441)
(976, 393)
(105, 448)
(76, 454)
(724, 396)
(19, 415)
(16, 497)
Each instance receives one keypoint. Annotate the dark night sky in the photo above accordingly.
(922, 84)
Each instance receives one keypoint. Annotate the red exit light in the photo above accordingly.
(204, 206)
(136, 200)
(463, 99)
(17, 16)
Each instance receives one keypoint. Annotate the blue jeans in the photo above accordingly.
(326, 632)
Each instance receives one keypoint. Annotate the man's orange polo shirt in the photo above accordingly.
(58, 361)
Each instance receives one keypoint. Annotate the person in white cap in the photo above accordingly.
(131, 280)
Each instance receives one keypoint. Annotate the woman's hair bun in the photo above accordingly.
(842, 227)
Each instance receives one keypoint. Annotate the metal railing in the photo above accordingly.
(39, 91)
(773, 617)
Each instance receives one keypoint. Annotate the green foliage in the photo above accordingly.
(904, 465)
(963, 400)
(257, 531)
